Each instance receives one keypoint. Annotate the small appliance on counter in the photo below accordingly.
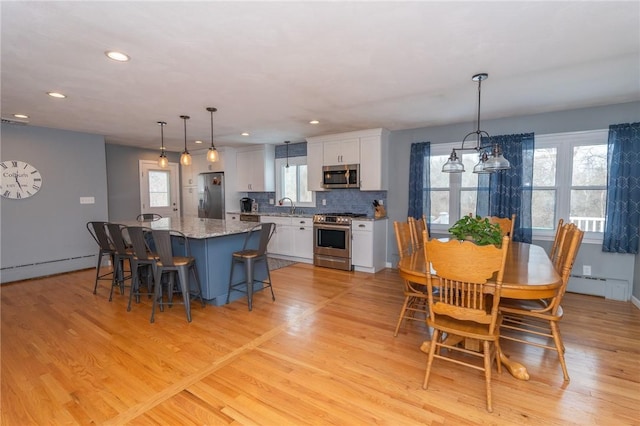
(246, 205)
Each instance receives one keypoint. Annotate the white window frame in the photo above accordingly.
(280, 164)
(564, 144)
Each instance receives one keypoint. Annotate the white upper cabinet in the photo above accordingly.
(255, 168)
(345, 151)
(369, 148)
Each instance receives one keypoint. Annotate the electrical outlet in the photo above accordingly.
(381, 202)
(586, 270)
(324, 202)
(87, 200)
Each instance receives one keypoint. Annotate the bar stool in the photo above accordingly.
(148, 217)
(142, 258)
(98, 231)
(123, 252)
(250, 257)
(176, 265)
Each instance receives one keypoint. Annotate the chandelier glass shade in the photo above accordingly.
(490, 158)
(162, 160)
(212, 154)
(185, 158)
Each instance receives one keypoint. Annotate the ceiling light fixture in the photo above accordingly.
(185, 158)
(20, 115)
(163, 161)
(117, 56)
(212, 154)
(56, 95)
(244, 134)
(490, 156)
(314, 122)
(287, 144)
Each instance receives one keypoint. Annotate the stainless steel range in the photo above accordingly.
(332, 240)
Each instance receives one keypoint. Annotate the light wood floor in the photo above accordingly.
(323, 353)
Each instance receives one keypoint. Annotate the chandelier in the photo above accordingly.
(490, 156)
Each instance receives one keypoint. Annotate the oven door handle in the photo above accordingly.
(327, 226)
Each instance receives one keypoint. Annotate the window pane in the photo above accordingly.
(440, 206)
(437, 178)
(544, 167)
(587, 209)
(289, 182)
(469, 179)
(468, 201)
(305, 194)
(158, 188)
(543, 208)
(589, 165)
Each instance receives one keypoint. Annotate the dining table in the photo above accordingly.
(529, 274)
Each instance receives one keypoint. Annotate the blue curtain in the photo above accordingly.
(506, 192)
(622, 218)
(419, 199)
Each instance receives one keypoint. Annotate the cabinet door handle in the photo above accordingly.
(361, 226)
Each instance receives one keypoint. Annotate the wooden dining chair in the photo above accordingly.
(560, 253)
(415, 296)
(417, 226)
(507, 225)
(537, 322)
(466, 305)
(556, 239)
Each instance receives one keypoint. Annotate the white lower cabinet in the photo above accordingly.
(292, 238)
(233, 217)
(368, 245)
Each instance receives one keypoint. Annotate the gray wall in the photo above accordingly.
(123, 179)
(607, 265)
(45, 234)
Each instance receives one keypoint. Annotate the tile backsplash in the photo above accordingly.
(337, 200)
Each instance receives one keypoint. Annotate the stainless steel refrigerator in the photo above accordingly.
(211, 195)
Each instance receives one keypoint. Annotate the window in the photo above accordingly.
(569, 182)
(291, 181)
(452, 194)
(158, 188)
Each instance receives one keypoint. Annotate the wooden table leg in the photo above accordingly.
(516, 369)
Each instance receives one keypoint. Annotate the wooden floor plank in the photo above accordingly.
(322, 353)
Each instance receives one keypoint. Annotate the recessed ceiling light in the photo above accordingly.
(314, 122)
(20, 116)
(198, 141)
(117, 56)
(56, 95)
(244, 134)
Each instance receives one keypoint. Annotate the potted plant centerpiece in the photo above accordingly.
(477, 229)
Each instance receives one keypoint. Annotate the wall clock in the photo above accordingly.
(19, 180)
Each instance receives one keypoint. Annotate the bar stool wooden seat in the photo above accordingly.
(250, 258)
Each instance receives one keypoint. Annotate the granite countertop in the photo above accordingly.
(195, 227)
(301, 215)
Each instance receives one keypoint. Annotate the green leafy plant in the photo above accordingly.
(478, 230)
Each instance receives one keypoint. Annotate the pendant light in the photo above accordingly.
(185, 158)
(287, 144)
(212, 154)
(490, 158)
(163, 161)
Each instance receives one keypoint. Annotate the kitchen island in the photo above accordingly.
(211, 241)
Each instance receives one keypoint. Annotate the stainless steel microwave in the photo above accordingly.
(342, 176)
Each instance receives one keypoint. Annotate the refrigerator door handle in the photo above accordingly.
(206, 199)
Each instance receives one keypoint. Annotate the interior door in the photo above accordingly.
(159, 189)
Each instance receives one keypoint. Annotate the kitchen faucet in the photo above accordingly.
(293, 207)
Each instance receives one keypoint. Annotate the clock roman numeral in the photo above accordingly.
(36, 187)
(18, 195)
(4, 166)
(14, 163)
(37, 179)
(7, 193)
(25, 166)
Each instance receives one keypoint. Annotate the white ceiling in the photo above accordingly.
(270, 67)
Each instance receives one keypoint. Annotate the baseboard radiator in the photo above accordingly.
(48, 267)
(609, 288)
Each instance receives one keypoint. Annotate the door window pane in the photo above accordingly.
(158, 188)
